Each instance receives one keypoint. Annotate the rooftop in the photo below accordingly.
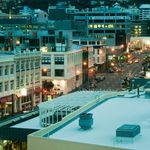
(107, 118)
(73, 99)
(145, 6)
(33, 123)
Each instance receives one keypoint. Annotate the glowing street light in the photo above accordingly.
(122, 46)
(17, 42)
(112, 49)
(112, 64)
(77, 72)
(45, 69)
(84, 63)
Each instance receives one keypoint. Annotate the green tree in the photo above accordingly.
(47, 85)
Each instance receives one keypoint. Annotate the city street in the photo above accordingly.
(113, 81)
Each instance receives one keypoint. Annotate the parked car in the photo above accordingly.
(100, 78)
(110, 70)
(136, 60)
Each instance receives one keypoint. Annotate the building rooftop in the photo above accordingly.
(107, 118)
(145, 6)
(33, 123)
(73, 99)
(6, 57)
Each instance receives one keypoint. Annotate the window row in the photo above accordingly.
(22, 80)
(6, 70)
(6, 86)
(57, 60)
(27, 65)
(105, 26)
(58, 72)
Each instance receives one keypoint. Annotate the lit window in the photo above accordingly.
(95, 26)
(46, 60)
(99, 26)
(59, 60)
(90, 26)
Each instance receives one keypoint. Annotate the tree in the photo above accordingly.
(39, 4)
(47, 85)
(81, 4)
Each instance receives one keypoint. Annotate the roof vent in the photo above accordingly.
(147, 90)
(128, 131)
(86, 120)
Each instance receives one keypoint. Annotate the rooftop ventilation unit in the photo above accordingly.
(147, 90)
(128, 131)
(86, 120)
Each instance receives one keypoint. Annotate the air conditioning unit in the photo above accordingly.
(86, 121)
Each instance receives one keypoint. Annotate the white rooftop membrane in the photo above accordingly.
(107, 118)
(33, 123)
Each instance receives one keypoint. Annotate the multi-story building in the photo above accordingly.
(7, 83)
(144, 12)
(20, 73)
(112, 24)
(58, 42)
(64, 69)
(28, 76)
(99, 50)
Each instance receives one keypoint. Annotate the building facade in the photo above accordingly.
(20, 82)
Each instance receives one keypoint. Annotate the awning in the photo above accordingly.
(6, 99)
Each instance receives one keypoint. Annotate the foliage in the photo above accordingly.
(48, 85)
(80, 4)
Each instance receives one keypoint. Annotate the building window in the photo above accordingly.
(1, 87)
(46, 72)
(46, 60)
(37, 64)
(6, 86)
(6, 70)
(31, 64)
(17, 81)
(12, 84)
(12, 69)
(59, 60)
(84, 42)
(27, 80)
(22, 80)
(31, 78)
(59, 72)
(37, 77)
(17, 67)
(98, 59)
(1, 71)
(27, 65)
(22, 66)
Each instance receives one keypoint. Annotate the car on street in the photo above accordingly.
(136, 60)
(100, 78)
(130, 62)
